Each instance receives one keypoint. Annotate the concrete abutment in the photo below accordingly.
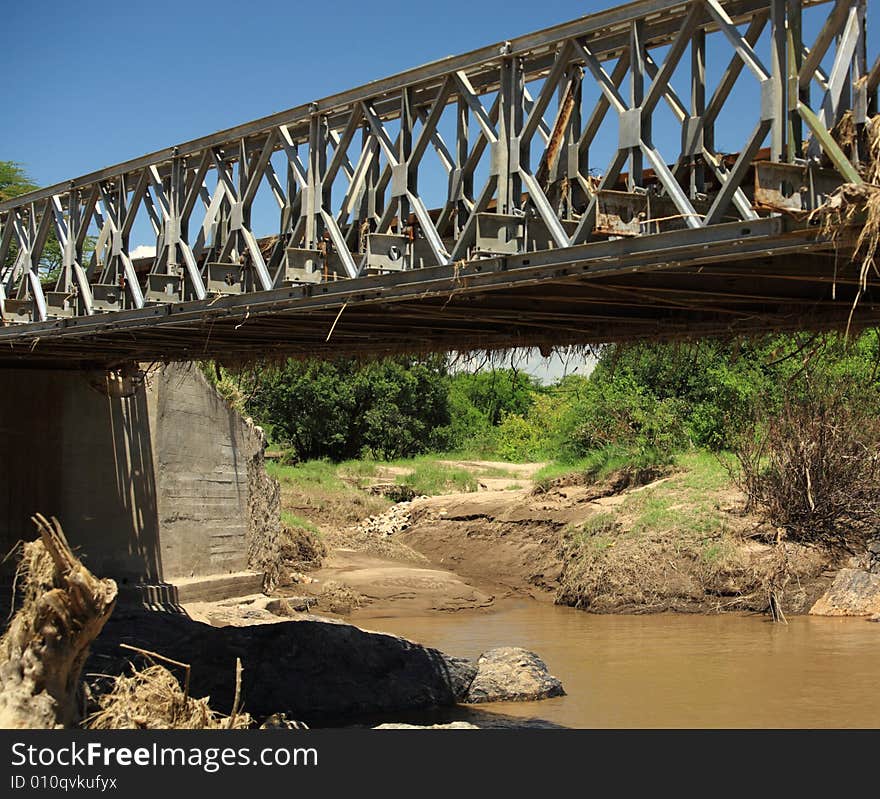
(155, 479)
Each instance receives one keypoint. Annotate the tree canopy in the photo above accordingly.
(14, 181)
(345, 409)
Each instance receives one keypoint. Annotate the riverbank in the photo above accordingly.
(625, 542)
(467, 571)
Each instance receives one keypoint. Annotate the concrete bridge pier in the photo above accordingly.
(157, 482)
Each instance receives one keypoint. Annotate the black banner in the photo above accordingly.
(412, 762)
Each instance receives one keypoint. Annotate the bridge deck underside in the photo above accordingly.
(739, 284)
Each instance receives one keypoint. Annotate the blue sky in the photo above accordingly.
(96, 82)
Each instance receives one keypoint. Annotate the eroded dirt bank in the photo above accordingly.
(675, 539)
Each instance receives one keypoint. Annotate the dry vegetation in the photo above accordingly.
(683, 544)
(336, 597)
(301, 548)
(152, 699)
(813, 470)
(850, 216)
(62, 609)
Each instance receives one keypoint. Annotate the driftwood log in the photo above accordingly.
(63, 608)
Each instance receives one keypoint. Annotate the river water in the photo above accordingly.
(672, 670)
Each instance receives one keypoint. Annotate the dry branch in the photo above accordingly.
(152, 699)
(42, 652)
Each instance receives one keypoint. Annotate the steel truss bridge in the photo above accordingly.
(582, 198)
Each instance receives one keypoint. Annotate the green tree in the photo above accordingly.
(708, 389)
(496, 393)
(14, 181)
(342, 408)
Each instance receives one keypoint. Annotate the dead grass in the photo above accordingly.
(872, 174)
(152, 699)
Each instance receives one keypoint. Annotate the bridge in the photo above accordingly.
(656, 170)
(645, 171)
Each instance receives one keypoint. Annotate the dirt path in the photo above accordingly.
(490, 475)
(499, 476)
(523, 471)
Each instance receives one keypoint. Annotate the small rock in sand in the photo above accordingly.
(453, 725)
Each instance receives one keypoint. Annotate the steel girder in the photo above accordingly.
(513, 130)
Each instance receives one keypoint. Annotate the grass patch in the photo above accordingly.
(661, 515)
(299, 522)
(598, 524)
(601, 463)
(493, 471)
(595, 534)
(553, 471)
(666, 546)
(431, 478)
(704, 471)
(687, 503)
(317, 493)
(359, 472)
(715, 553)
(314, 474)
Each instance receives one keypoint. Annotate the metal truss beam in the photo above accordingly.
(365, 183)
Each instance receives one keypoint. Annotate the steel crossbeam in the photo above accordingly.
(472, 157)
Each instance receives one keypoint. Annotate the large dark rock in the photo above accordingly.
(509, 674)
(309, 669)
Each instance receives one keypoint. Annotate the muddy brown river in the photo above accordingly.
(673, 670)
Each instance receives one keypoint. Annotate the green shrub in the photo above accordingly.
(621, 414)
(516, 438)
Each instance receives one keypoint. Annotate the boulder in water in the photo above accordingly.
(854, 592)
(512, 674)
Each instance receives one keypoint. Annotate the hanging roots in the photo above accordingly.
(856, 205)
(872, 131)
(63, 608)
